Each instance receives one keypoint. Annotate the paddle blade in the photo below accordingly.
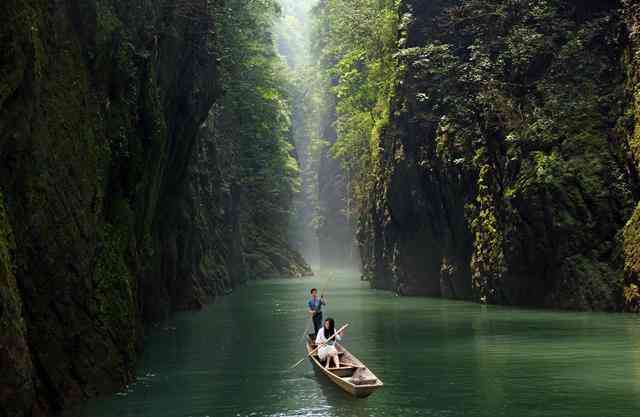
(297, 363)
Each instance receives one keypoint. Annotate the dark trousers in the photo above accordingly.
(317, 321)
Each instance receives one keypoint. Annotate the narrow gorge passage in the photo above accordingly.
(176, 175)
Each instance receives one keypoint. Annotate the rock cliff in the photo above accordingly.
(114, 209)
(508, 166)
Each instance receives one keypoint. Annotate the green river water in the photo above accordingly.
(436, 357)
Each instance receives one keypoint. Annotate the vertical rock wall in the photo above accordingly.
(631, 237)
(335, 229)
(506, 170)
(113, 206)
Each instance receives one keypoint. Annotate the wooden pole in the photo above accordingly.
(326, 284)
(318, 347)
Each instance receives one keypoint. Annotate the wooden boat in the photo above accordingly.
(352, 376)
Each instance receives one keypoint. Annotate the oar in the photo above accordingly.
(306, 330)
(322, 344)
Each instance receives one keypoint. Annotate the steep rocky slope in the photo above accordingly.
(99, 102)
(112, 206)
(632, 228)
(506, 171)
(335, 212)
(335, 231)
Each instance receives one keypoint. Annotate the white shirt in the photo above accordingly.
(321, 339)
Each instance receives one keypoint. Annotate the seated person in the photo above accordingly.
(327, 350)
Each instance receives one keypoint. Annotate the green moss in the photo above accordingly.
(587, 284)
(16, 378)
(113, 285)
(107, 22)
(11, 321)
(213, 265)
(21, 46)
(631, 125)
(631, 246)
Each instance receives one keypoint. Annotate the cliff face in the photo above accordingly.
(506, 168)
(335, 212)
(335, 231)
(632, 228)
(15, 357)
(99, 107)
(112, 206)
(246, 235)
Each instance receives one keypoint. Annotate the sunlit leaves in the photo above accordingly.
(356, 42)
(256, 112)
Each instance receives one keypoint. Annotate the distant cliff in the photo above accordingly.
(116, 208)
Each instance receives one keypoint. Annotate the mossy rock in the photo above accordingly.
(18, 393)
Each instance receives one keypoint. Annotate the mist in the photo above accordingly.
(322, 225)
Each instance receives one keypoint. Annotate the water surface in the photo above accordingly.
(436, 358)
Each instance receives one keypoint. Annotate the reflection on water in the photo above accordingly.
(436, 358)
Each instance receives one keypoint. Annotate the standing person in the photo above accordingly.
(315, 309)
(328, 349)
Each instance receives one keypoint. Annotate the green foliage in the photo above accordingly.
(255, 114)
(629, 126)
(530, 90)
(107, 23)
(632, 298)
(515, 103)
(355, 46)
(114, 286)
(632, 261)
(20, 43)
(488, 260)
(11, 321)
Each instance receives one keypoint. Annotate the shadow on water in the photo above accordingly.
(340, 400)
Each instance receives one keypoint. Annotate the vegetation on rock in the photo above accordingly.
(154, 155)
(488, 146)
(117, 205)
